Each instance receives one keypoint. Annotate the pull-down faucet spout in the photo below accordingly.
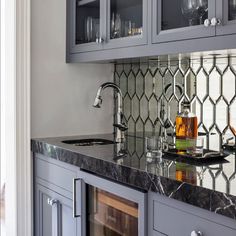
(120, 126)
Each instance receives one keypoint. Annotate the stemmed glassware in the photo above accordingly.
(194, 10)
(190, 10)
(202, 10)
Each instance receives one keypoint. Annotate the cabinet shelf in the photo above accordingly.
(118, 204)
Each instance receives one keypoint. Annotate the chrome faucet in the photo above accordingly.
(120, 125)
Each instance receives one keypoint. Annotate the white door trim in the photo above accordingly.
(15, 112)
(23, 157)
(8, 127)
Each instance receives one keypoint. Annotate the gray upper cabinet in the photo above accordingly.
(226, 16)
(106, 30)
(183, 19)
(104, 24)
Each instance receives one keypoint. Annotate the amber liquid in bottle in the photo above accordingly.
(186, 130)
(186, 173)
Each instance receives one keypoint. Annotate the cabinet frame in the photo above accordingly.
(190, 32)
(71, 28)
(226, 26)
(119, 190)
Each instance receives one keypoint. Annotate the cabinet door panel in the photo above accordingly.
(226, 12)
(127, 23)
(68, 225)
(52, 221)
(46, 215)
(85, 25)
(172, 221)
(50, 173)
(180, 20)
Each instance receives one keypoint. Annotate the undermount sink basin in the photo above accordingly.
(88, 142)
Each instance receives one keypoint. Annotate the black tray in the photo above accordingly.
(207, 158)
(229, 147)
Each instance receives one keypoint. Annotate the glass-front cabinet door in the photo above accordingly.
(226, 14)
(182, 19)
(127, 23)
(86, 19)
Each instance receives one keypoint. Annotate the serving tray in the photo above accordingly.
(208, 157)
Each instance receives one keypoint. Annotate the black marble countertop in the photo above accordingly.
(211, 187)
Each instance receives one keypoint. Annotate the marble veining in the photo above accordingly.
(195, 185)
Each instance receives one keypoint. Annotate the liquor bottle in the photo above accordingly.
(186, 173)
(186, 128)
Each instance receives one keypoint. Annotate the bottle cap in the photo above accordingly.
(186, 104)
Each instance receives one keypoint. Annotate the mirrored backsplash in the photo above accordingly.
(154, 90)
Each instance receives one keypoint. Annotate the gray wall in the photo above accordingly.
(63, 94)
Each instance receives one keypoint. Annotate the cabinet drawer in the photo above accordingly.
(174, 222)
(54, 174)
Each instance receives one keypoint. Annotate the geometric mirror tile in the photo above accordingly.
(214, 84)
(228, 84)
(201, 84)
(154, 90)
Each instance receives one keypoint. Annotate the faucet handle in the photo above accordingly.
(121, 127)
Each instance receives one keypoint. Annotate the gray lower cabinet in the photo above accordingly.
(53, 194)
(71, 202)
(173, 218)
(54, 214)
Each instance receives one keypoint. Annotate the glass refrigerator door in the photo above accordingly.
(110, 215)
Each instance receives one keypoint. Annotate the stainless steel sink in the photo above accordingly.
(88, 142)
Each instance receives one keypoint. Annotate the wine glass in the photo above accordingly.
(232, 9)
(202, 9)
(190, 10)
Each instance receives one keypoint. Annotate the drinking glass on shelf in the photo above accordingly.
(190, 10)
(91, 29)
(128, 28)
(95, 30)
(112, 25)
(88, 29)
(232, 9)
(117, 30)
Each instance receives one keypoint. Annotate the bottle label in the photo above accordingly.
(184, 144)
